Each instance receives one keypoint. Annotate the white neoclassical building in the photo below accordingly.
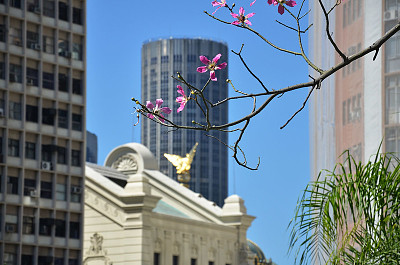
(136, 215)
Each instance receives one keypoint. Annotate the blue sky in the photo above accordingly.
(115, 34)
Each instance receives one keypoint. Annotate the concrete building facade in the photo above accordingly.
(42, 131)
(357, 109)
(160, 60)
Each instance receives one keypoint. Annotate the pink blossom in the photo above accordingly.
(241, 18)
(157, 109)
(281, 9)
(182, 100)
(253, 2)
(220, 4)
(211, 65)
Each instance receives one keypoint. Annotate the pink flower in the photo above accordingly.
(253, 2)
(281, 9)
(211, 65)
(157, 109)
(182, 100)
(241, 18)
(220, 4)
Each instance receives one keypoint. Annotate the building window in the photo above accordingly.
(73, 262)
(193, 261)
(31, 113)
(76, 122)
(61, 192)
(45, 260)
(15, 73)
(48, 115)
(62, 82)
(29, 186)
(60, 228)
(156, 259)
(15, 36)
(77, 86)
(76, 193)
(45, 225)
(10, 258)
(15, 3)
(58, 261)
(211, 263)
(15, 110)
(74, 230)
(48, 80)
(48, 8)
(61, 155)
(77, 51)
(32, 77)
(175, 260)
(77, 16)
(63, 118)
(2, 32)
(28, 225)
(46, 190)
(48, 44)
(164, 59)
(13, 147)
(12, 185)
(392, 107)
(32, 40)
(47, 151)
(153, 60)
(30, 150)
(27, 259)
(63, 11)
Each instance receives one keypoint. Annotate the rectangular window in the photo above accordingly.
(48, 116)
(15, 36)
(156, 259)
(28, 225)
(3, 32)
(29, 186)
(48, 80)
(27, 259)
(15, 75)
(193, 262)
(46, 190)
(30, 150)
(60, 228)
(15, 110)
(45, 260)
(77, 16)
(63, 118)
(12, 185)
(32, 40)
(74, 230)
(10, 258)
(2, 70)
(77, 86)
(48, 8)
(15, 3)
(45, 225)
(32, 77)
(13, 147)
(31, 113)
(175, 260)
(76, 122)
(63, 11)
(76, 158)
(58, 261)
(60, 192)
(48, 44)
(61, 155)
(62, 82)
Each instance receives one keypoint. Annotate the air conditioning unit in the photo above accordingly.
(390, 15)
(46, 165)
(10, 228)
(36, 10)
(1, 112)
(76, 189)
(33, 193)
(36, 46)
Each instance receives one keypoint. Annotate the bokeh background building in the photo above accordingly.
(359, 107)
(42, 131)
(160, 60)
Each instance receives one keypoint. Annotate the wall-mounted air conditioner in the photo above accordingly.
(76, 189)
(46, 165)
(33, 193)
(10, 228)
(390, 14)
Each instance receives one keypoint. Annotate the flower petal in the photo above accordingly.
(150, 115)
(216, 58)
(250, 15)
(212, 76)
(161, 117)
(221, 66)
(180, 90)
(281, 9)
(180, 99)
(149, 105)
(247, 22)
(253, 2)
(166, 110)
(202, 69)
(241, 11)
(215, 3)
(159, 102)
(270, 2)
(181, 107)
(291, 3)
(235, 22)
(204, 59)
(234, 15)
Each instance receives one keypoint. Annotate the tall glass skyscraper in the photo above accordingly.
(160, 60)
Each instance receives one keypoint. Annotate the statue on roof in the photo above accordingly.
(182, 165)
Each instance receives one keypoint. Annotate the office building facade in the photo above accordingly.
(42, 131)
(160, 60)
(359, 107)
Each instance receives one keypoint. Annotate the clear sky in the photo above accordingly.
(116, 31)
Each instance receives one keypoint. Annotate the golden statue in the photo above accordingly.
(182, 165)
